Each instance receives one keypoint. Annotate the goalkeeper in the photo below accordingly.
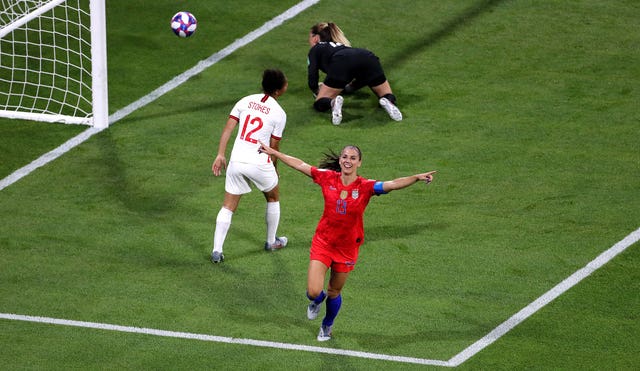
(347, 69)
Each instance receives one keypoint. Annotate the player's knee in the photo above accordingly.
(314, 292)
(322, 104)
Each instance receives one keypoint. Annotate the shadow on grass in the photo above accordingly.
(390, 231)
(363, 97)
(264, 290)
(407, 54)
(180, 111)
(124, 184)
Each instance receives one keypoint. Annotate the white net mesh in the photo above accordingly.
(14, 9)
(45, 60)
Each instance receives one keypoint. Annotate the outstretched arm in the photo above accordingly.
(392, 185)
(290, 161)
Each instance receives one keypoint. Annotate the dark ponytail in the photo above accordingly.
(330, 161)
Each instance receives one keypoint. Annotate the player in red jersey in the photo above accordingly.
(340, 231)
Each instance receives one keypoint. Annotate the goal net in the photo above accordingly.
(53, 61)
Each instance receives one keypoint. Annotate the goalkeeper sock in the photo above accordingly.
(322, 104)
(391, 98)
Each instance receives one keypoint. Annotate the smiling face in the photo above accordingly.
(350, 160)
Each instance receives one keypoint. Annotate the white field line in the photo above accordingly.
(170, 85)
(545, 299)
(455, 361)
(201, 66)
(220, 339)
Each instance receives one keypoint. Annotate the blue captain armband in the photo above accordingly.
(377, 188)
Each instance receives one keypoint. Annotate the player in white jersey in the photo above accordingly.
(261, 119)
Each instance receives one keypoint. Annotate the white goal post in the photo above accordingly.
(53, 61)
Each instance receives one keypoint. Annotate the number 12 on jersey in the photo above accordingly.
(255, 123)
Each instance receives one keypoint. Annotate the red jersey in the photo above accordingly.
(341, 226)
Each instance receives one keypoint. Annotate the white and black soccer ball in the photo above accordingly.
(184, 24)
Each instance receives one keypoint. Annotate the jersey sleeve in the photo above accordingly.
(314, 174)
(320, 176)
(373, 187)
(280, 124)
(236, 111)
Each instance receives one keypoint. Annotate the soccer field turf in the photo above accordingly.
(527, 110)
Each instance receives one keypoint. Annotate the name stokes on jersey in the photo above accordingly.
(259, 107)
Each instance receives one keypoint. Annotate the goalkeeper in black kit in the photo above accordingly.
(347, 69)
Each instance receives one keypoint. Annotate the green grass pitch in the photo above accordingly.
(527, 109)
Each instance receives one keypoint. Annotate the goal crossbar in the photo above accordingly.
(54, 69)
(17, 23)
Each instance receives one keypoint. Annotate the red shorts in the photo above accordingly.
(335, 259)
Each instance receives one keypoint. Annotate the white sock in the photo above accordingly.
(223, 222)
(272, 216)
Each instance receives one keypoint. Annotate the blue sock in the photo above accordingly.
(333, 307)
(318, 299)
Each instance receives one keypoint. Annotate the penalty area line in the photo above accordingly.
(455, 361)
(545, 299)
(157, 93)
(221, 339)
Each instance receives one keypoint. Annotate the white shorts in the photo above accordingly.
(239, 174)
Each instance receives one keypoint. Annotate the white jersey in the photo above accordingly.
(260, 117)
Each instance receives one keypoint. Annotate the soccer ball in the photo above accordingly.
(184, 24)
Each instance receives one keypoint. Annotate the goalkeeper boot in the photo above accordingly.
(336, 110)
(391, 109)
